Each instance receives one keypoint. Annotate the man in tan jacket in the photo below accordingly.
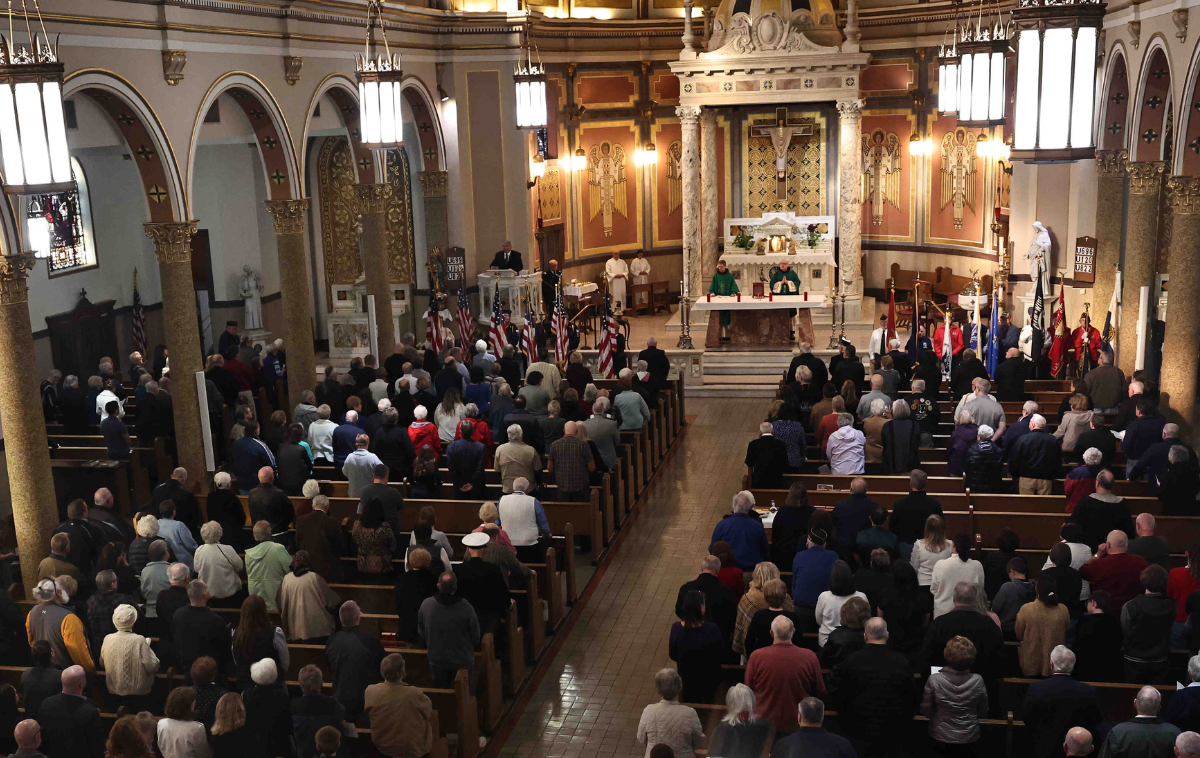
(399, 713)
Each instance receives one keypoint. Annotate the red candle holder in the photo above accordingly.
(770, 297)
(709, 297)
(806, 296)
(739, 295)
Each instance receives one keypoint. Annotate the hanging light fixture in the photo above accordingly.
(579, 161)
(1056, 73)
(530, 79)
(948, 64)
(379, 120)
(646, 155)
(917, 147)
(981, 73)
(33, 135)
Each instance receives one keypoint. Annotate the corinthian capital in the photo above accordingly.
(1145, 178)
(1112, 163)
(172, 241)
(689, 115)
(1184, 194)
(289, 215)
(433, 183)
(850, 109)
(372, 198)
(14, 278)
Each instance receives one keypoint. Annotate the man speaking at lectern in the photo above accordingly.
(507, 258)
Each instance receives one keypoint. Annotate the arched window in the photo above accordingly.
(59, 227)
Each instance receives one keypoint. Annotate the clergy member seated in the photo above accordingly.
(507, 258)
(723, 284)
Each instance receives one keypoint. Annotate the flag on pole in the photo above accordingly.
(529, 332)
(947, 348)
(974, 341)
(1058, 348)
(1108, 335)
(891, 327)
(608, 334)
(433, 326)
(499, 338)
(466, 325)
(1037, 325)
(993, 347)
(139, 319)
(559, 324)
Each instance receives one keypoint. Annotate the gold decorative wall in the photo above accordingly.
(401, 264)
(805, 172)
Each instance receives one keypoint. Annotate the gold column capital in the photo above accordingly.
(1184, 194)
(172, 241)
(14, 278)
(373, 198)
(289, 215)
(433, 183)
(1112, 164)
(1146, 177)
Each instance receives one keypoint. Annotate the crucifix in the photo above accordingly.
(780, 131)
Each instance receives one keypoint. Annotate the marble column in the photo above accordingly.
(433, 188)
(709, 233)
(372, 208)
(173, 246)
(689, 120)
(26, 451)
(291, 217)
(1181, 345)
(1110, 199)
(849, 215)
(1141, 241)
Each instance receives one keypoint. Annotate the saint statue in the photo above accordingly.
(250, 288)
(435, 265)
(1038, 256)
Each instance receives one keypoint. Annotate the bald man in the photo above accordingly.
(570, 460)
(876, 693)
(28, 736)
(1115, 570)
(1145, 734)
(71, 725)
(1078, 742)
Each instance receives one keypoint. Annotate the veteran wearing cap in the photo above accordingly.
(810, 577)
(229, 338)
(481, 583)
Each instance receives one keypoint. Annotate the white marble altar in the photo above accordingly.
(348, 326)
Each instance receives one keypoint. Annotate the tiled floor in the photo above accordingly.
(590, 701)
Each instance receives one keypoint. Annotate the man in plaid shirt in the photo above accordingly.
(570, 460)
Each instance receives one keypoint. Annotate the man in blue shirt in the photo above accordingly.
(852, 515)
(344, 438)
(810, 574)
(744, 532)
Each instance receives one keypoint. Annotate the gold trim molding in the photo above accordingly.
(172, 241)
(289, 215)
(1184, 195)
(173, 63)
(372, 198)
(433, 183)
(14, 278)
(1112, 164)
(1146, 177)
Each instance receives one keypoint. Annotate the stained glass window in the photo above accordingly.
(59, 226)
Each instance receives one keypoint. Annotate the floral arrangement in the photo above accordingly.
(744, 241)
(814, 236)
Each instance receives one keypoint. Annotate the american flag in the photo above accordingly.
(499, 338)
(529, 333)
(139, 319)
(433, 324)
(608, 338)
(466, 325)
(559, 324)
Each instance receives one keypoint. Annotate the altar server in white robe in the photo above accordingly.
(640, 268)
(617, 272)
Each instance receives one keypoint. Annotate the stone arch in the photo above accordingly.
(429, 126)
(284, 179)
(134, 117)
(1147, 138)
(1187, 150)
(344, 93)
(1114, 108)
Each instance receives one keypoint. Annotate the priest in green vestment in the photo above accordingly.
(785, 282)
(723, 284)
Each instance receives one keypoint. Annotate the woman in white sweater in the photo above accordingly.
(179, 734)
(219, 566)
(829, 603)
(926, 553)
(129, 663)
(950, 571)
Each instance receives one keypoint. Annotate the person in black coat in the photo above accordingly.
(901, 363)
(790, 527)
(482, 584)
(225, 508)
(963, 620)
(768, 460)
(392, 443)
(849, 368)
(187, 507)
(41, 680)
(720, 606)
(1098, 641)
(811, 740)
(1180, 484)
(354, 657)
(1155, 460)
(1055, 705)
(1068, 582)
(73, 407)
(909, 513)
(71, 725)
(412, 588)
(929, 370)
(901, 441)
(875, 694)
(1183, 710)
(656, 361)
(295, 467)
(269, 503)
(1100, 438)
(1010, 377)
(1036, 455)
(815, 365)
(966, 373)
(507, 258)
(984, 465)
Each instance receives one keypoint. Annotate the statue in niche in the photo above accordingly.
(435, 265)
(1038, 256)
(250, 289)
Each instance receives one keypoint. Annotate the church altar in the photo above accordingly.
(513, 288)
(348, 327)
(778, 236)
(762, 322)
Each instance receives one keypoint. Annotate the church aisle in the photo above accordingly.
(591, 699)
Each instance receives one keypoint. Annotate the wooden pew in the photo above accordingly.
(1050, 504)
(950, 501)
(1116, 698)
(1040, 530)
(136, 470)
(876, 483)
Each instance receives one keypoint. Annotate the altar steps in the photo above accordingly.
(743, 374)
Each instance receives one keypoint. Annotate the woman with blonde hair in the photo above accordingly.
(741, 733)
(754, 601)
(926, 553)
(488, 514)
(219, 566)
(1072, 424)
(139, 549)
(231, 738)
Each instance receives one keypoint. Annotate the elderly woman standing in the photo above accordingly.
(139, 549)
(219, 566)
(180, 735)
(488, 514)
(304, 604)
(964, 435)
(129, 663)
(955, 700)
(753, 602)
(1072, 424)
(901, 441)
(225, 508)
(741, 733)
(872, 428)
(667, 721)
(267, 564)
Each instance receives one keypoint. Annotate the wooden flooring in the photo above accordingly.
(590, 700)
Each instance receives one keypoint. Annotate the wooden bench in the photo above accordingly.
(136, 469)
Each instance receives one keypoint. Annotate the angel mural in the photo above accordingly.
(881, 172)
(674, 176)
(959, 162)
(606, 178)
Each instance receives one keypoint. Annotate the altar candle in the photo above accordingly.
(770, 296)
(739, 297)
(806, 296)
(709, 296)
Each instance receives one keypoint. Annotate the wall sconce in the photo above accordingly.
(579, 160)
(646, 156)
(537, 169)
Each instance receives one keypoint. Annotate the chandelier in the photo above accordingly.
(33, 135)
(530, 79)
(948, 61)
(981, 73)
(380, 123)
(1056, 73)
